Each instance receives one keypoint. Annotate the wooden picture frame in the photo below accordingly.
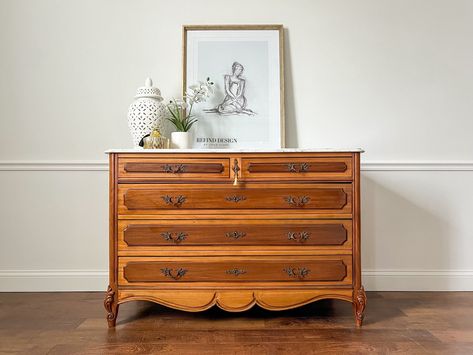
(211, 47)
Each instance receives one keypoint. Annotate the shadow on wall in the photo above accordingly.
(290, 108)
(402, 235)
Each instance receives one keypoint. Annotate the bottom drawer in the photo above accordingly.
(146, 271)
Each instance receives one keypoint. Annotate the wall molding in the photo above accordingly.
(53, 165)
(432, 165)
(100, 165)
(96, 280)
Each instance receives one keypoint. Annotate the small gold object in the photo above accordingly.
(155, 141)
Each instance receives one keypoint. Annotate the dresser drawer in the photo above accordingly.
(294, 168)
(152, 199)
(154, 270)
(179, 234)
(149, 169)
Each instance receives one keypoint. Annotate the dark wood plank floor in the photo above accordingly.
(404, 322)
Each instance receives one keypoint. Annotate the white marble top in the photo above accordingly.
(281, 150)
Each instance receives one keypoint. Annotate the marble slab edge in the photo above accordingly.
(281, 150)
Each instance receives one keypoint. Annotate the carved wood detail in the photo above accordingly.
(176, 168)
(303, 167)
(326, 197)
(316, 270)
(336, 233)
(234, 301)
(110, 306)
(360, 304)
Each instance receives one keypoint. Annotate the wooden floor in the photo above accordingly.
(404, 322)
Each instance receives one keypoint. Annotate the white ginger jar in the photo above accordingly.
(146, 113)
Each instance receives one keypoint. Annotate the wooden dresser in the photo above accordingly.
(194, 229)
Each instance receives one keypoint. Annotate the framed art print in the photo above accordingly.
(245, 63)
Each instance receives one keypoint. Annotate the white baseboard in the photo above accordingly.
(418, 280)
(97, 280)
(53, 280)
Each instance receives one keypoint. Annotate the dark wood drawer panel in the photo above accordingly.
(155, 270)
(289, 168)
(149, 169)
(151, 199)
(133, 234)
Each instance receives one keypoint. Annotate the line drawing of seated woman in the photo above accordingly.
(234, 102)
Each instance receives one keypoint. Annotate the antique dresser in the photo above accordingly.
(190, 229)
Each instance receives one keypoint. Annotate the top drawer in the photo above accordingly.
(148, 169)
(296, 168)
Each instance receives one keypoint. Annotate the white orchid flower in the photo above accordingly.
(210, 89)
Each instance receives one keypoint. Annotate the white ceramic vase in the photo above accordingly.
(146, 112)
(180, 140)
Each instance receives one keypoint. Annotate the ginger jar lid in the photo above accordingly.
(149, 91)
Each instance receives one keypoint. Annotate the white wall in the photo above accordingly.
(394, 77)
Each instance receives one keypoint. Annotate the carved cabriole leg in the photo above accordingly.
(359, 295)
(359, 304)
(111, 297)
(111, 306)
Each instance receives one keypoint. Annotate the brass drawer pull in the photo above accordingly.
(235, 169)
(300, 237)
(296, 272)
(304, 167)
(179, 273)
(178, 168)
(235, 234)
(235, 198)
(297, 201)
(291, 167)
(301, 168)
(180, 236)
(176, 201)
(235, 272)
